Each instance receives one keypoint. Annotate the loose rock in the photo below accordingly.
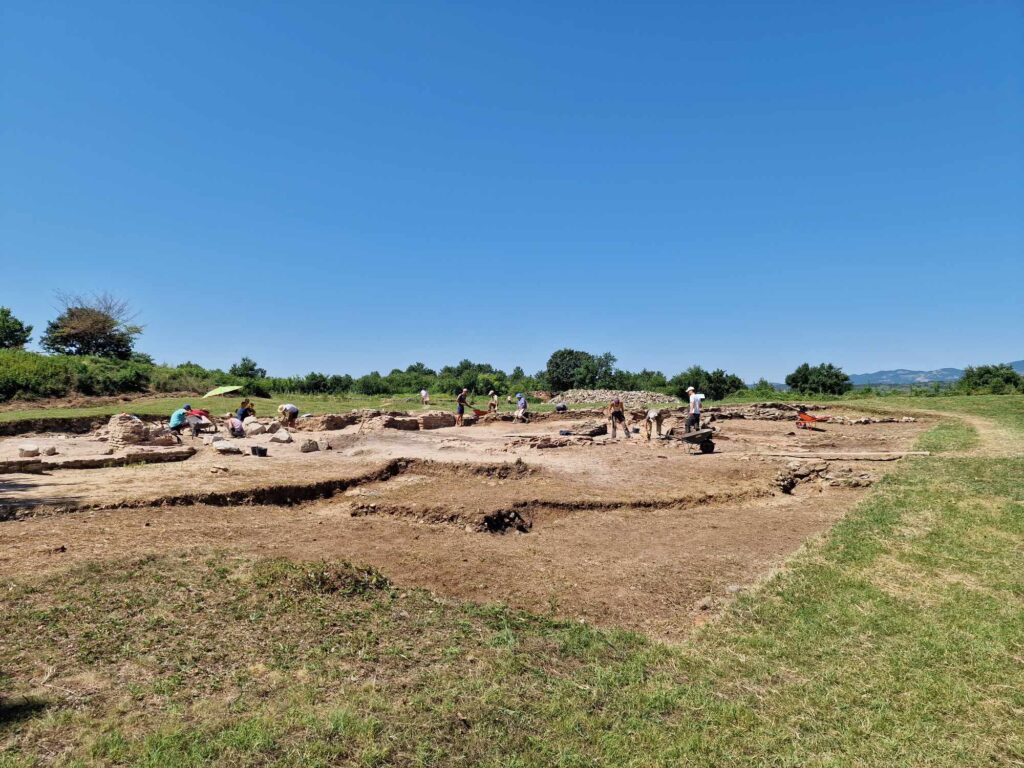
(308, 446)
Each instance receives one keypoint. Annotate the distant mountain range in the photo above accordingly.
(903, 377)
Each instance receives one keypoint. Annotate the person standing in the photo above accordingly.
(617, 415)
(492, 405)
(693, 419)
(522, 408)
(460, 406)
(424, 396)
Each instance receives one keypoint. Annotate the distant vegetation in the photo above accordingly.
(92, 346)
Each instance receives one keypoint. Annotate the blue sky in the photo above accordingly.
(347, 187)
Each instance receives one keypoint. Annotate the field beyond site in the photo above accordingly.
(646, 606)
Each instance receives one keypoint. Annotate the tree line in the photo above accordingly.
(92, 351)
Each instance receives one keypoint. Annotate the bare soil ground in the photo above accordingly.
(628, 533)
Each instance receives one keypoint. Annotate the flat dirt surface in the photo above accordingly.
(647, 536)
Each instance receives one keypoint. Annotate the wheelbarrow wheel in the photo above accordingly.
(708, 446)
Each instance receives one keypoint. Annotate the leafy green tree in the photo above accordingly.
(575, 369)
(246, 368)
(98, 325)
(716, 384)
(763, 387)
(823, 379)
(14, 334)
(991, 379)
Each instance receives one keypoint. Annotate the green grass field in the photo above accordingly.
(898, 640)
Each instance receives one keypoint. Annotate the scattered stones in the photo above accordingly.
(28, 450)
(211, 439)
(50, 450)
(226, 447)
(308, 446)
(273, 426)
(281, 436)
(254, 428)
(629, 399)
(785, 480)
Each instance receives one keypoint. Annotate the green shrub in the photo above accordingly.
(26, 375)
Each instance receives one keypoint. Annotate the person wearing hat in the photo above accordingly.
(492, 405)
(522, 408)
(693, 419)
(179, 419)
(288, 414)
(460, 406)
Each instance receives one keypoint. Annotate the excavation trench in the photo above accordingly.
(285, 495)
(521, 516)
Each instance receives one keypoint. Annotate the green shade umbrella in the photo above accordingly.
(221, 391)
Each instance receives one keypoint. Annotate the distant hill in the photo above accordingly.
(903, 377)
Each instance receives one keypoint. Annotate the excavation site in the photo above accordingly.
(554, 516)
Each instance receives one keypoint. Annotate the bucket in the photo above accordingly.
(258, 450)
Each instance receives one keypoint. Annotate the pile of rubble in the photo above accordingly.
(798, 471)
(124, 430)
(629, 399)
(873, 420)
(372, 420)
(759, 411)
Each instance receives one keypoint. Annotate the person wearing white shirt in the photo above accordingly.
(693, 420)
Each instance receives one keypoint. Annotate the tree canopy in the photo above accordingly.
(14, 334)
(716, 384)
(98, 325)
(823, 379)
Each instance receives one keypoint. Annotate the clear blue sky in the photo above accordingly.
(347, 187)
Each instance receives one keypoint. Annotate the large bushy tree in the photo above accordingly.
(98, 325)
(14, 334)
(246, 368)
(994, 379)
(716, 384)
(575, 369)
(823, 379)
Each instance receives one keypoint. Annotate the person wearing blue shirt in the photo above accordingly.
(179, 419)
(521, 407)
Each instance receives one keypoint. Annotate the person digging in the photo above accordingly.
(617, 415)
(652, 421)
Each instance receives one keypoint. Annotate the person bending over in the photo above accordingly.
(653, 421)
(617, 415)
(288, 413)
